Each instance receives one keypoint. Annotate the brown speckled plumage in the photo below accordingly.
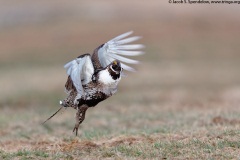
(95, 96)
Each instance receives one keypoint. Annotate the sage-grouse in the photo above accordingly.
(94, 78)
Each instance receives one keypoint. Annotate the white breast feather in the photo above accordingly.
(110, 85)
(105, 78)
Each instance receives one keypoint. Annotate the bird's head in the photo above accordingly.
(115, 67)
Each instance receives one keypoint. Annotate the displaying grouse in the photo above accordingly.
(94, 78)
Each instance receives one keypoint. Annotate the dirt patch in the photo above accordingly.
(77, 144)
(221, 120)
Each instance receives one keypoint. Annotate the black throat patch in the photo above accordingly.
(113, 74)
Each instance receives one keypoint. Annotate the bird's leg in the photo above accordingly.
(80, 116)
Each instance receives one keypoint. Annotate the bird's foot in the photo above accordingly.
(75, 129)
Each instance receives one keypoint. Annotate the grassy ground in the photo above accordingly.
(181, 130)
(183, 103)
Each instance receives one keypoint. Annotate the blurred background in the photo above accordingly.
(188, 47)
(192, 61)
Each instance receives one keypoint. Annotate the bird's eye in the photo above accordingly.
(114, 67)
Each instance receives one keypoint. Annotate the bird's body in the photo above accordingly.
(95, 91)
(102, 85)
(94, 78)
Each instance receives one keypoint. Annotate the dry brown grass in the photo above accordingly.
(182, 104)
(182, 130)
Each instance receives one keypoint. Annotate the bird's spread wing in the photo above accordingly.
(119, 47)
(80, 70)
